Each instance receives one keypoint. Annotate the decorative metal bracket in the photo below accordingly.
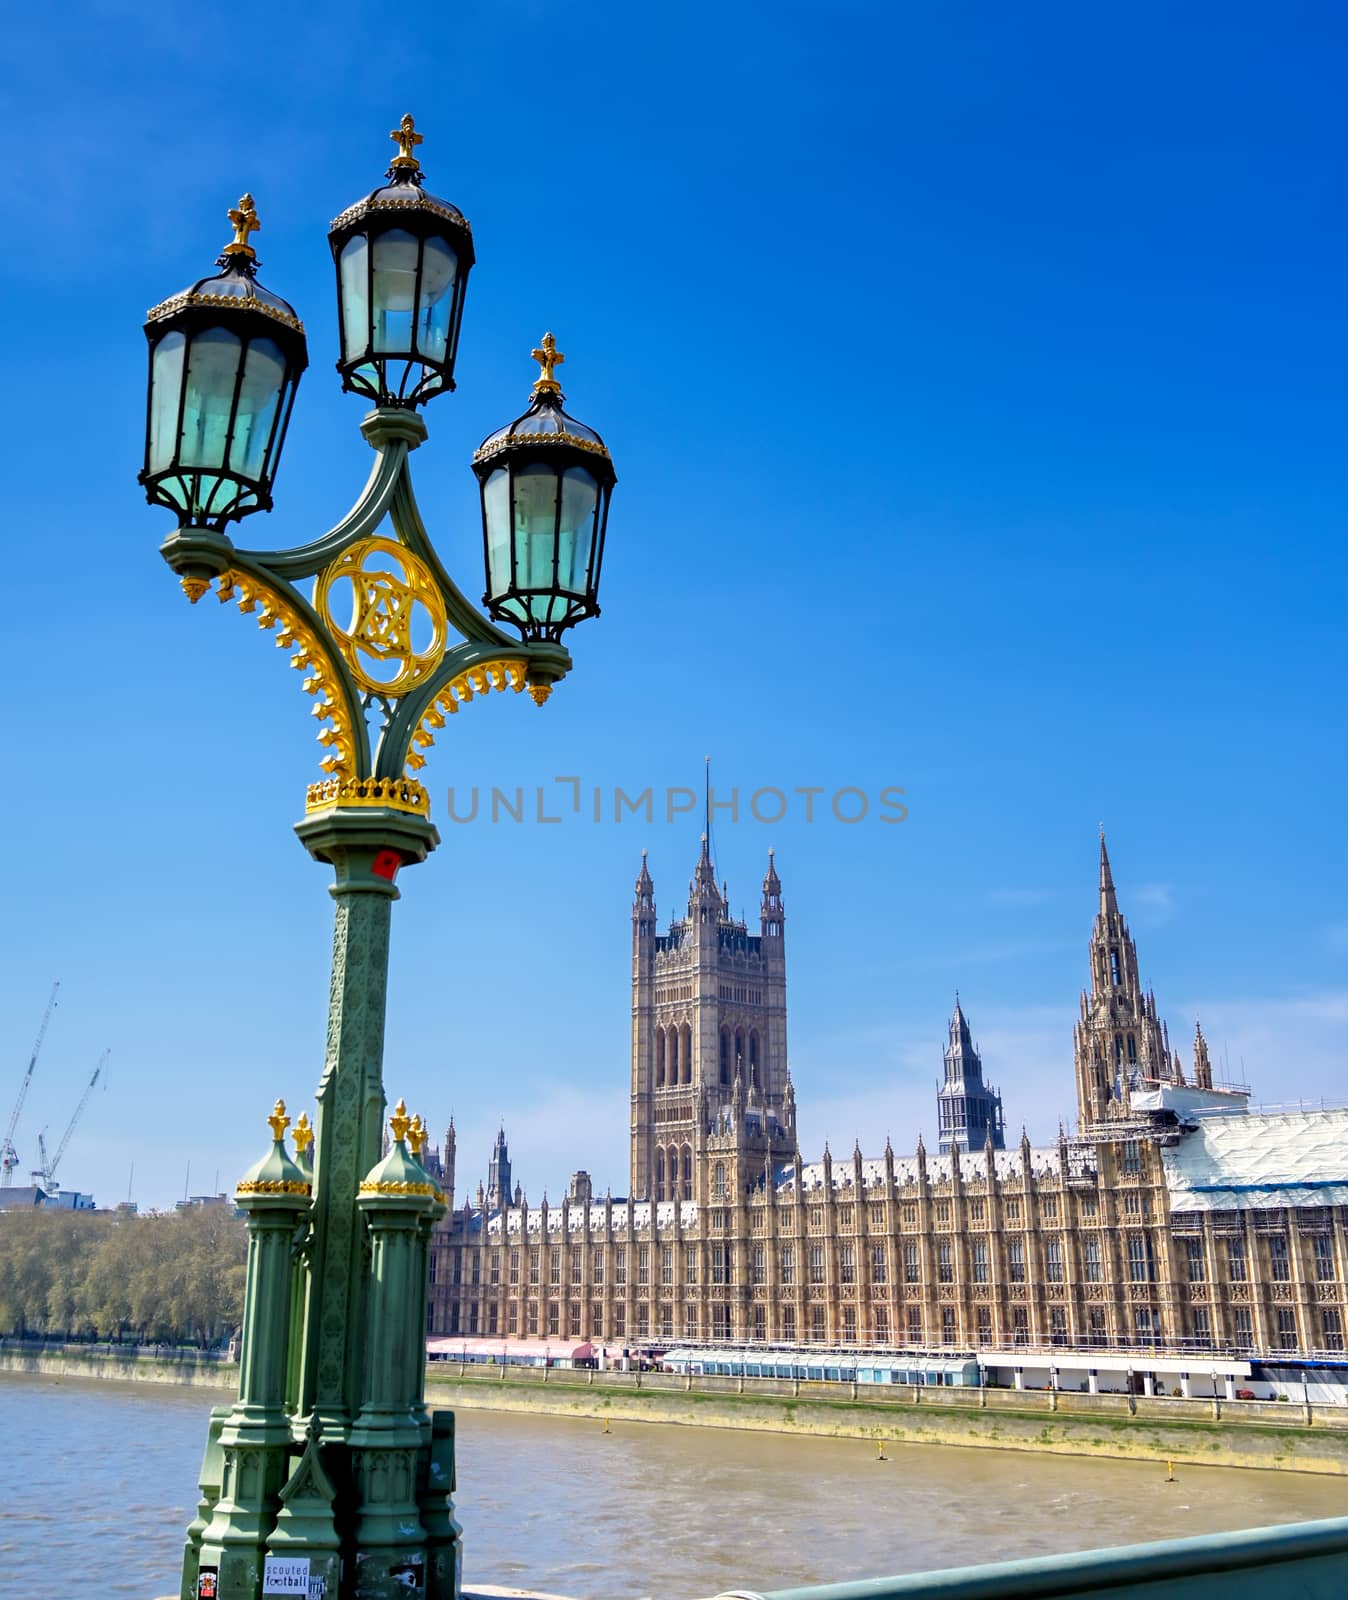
(374, 660)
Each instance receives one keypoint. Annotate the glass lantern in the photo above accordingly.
(403, 259)
(546, 481)
(225, 360)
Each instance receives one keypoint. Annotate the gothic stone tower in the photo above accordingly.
(970, 1111)
(708, 1035)
(498, 1173)
(1121, 1044)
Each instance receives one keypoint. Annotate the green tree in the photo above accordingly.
(176, 1278)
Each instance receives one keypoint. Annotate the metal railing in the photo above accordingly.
(1309, 1560)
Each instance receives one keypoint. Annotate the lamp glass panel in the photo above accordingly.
(580, 496)
(355, 298)
(395, 287)
(212, 368)
(259, 394)
(535, 526)
(438, 266)
(166, 379)
(496, 508)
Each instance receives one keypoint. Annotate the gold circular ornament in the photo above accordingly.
(380, 637)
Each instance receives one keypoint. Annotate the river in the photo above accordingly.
(98, 1481)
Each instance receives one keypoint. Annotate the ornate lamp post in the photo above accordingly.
(329, 1460)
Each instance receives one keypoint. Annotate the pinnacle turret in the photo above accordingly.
(1202, 1061)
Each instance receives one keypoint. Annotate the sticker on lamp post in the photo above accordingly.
(286, 1575)
(386, 864)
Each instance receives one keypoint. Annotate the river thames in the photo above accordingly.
(98, 1481)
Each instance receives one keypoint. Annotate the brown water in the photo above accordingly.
(98, 1481)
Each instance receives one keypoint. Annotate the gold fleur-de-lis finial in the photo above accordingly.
(304, 1133)
(549, 357)
(416, 1135)
(407, 139)
(244, 218)
(399, 1122)
(279, 1121)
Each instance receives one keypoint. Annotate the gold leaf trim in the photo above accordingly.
(493, 447)
(402, 1188)
(240, 302)
(422, 202)
(311, 657)
(507, 673)
(273, 1186)
(395, 794)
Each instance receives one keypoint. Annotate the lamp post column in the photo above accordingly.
(366, 847)
(255, 1438)
(394, 1198)
(435, 1469)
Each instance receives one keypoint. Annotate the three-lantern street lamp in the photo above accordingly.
(328, 1471)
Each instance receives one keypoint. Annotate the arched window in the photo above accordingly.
(1118, 1047)
(685, 1054)
(1132, 1047)
(687, 1172)
(659, 1058)
(740, 1062)
(725, 1055)
(659, 1174)
(718, 1181)
(1114, 968)
(673, 1172)
(753, 1058)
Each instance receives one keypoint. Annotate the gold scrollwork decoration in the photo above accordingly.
(310, 656)
(507, 673)
(272, 1186)
(394, 794)
(382, 614)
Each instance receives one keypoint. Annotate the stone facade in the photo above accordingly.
(1173, 1216)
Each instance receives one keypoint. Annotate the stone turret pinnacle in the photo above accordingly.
(1202, 1061)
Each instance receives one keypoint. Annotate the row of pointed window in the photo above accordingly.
(739, 1053)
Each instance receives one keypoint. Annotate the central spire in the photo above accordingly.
(1109, 905)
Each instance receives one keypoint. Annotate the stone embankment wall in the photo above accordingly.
(1241, 1433)
(128, 1365)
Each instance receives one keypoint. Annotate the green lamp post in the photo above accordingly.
(353, 1475)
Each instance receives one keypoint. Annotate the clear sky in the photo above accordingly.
(975, 379)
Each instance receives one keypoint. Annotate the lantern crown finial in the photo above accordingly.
(304, 1134)
(399, 1122)
(278, 1121)
(405, 163)
(549, 357)
(244, 218)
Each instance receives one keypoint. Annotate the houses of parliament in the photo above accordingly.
(1172, 1216)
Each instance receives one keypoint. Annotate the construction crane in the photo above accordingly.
(46, 1170)
(9, 1156)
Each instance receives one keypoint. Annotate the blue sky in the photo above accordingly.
(974, 377)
